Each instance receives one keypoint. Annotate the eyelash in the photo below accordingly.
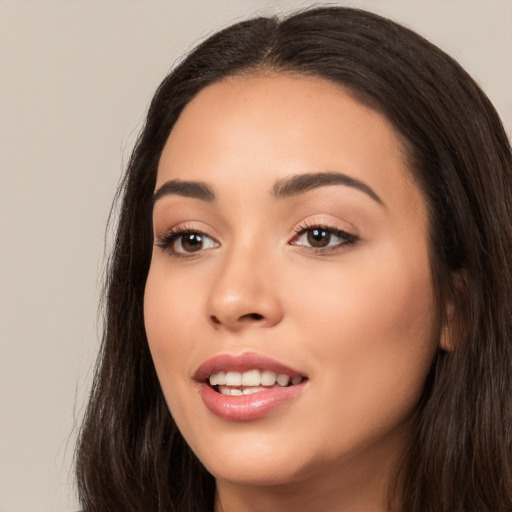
(167, 241)
(347, 239)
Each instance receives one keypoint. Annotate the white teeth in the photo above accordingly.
(250, 391)
(233, 379)
(218, 379)
(252, 379)
(283, 379)
(268, 378)
(226, 390)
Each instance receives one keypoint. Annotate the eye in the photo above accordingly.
(184, 242)
(192, 242)
(323, 237)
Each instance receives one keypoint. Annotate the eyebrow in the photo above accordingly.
(301, 183)
(195, 189)
(286, 187)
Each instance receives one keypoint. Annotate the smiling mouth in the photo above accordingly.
(247, 386)
(232, 383)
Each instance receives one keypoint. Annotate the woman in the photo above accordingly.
(309, 300)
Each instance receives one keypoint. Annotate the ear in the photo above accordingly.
(450, 327)
(447, 338)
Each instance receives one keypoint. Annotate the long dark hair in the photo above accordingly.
(131, 456)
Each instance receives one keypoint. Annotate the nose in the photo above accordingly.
(245, 293)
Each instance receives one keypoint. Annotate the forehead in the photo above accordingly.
(266, 127)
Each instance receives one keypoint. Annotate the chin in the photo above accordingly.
(254, 462)
(269, 474)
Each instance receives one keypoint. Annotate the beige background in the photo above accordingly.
(75, 80)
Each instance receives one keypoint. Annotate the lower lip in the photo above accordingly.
(247, 407)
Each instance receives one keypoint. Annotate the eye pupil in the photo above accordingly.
(192, 242)
(318, 237)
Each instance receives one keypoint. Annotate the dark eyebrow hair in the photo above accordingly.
(194, 189)
(301, 183)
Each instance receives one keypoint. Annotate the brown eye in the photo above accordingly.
(323, 238)
(180, 243)
(318, 237)
(189, 242)
(183, 243)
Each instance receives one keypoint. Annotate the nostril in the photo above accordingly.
(214, 319)
(253, 316)
(242, 319)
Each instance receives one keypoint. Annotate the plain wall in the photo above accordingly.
(75, 80)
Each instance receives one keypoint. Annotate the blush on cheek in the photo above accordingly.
(383, 332)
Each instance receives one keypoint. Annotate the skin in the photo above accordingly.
(358, 319)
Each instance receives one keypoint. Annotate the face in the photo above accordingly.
(290, 244)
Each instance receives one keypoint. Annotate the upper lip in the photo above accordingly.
(241, 363)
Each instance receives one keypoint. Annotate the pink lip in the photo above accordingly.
(241, 363)
(245, 407)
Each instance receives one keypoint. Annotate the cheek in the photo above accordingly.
(169, 319)
(171, 303)
(374, 331)
(370, 302)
